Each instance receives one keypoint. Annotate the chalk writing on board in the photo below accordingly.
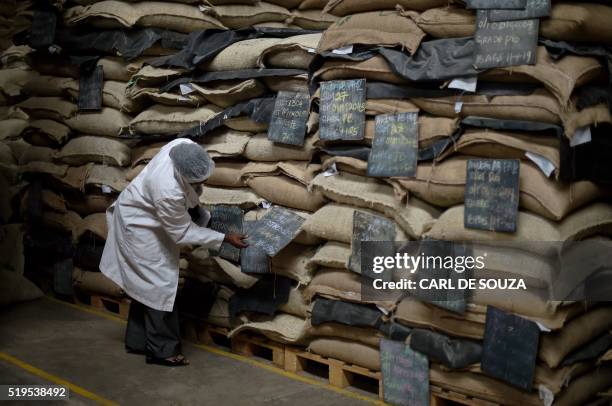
(342, 109)
(496, 4)
(492, 194)
(370, 227)
(91, 82)
(252, 258)
(510, 348)
(227, 219)
(405, 374)
(505, 43)
(275, 230)
(289, 118)
(395, 146)
(534, 9)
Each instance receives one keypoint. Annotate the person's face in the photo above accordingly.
(198, 187)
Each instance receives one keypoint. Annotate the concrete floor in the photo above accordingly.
(87, 350)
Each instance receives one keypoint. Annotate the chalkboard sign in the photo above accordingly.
(492, 194)
(226, 219)
(289, 118)
(44, 24)
(496, 4)
(534, 9)
(91, 82)
(395, 146)
(275, 230)
(342, 110)
(253, 259)
(506, 43)
(510, 348)
(370, 227)
(405, 374)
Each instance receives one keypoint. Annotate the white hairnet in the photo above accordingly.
(192, 162)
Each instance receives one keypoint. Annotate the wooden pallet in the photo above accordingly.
(445, 397)
(115, 305)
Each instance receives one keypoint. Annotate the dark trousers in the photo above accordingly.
(153, 332)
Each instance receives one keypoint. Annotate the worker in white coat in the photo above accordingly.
(146, 226)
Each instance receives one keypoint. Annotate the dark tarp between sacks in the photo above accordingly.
(590, 350)
(268, 293)
(62, 277)
(88, 254)
(259, 110)
(395, 331)
(202, 46)
(351, 314)
(196, 298)
(590, 161)
(44, 24)
(454, 353)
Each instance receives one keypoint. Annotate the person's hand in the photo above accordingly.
(236, 240)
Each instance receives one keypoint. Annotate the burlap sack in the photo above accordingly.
(238, 278)
(287, 192)
(245, 124)
(101, 150)
(312, 4)
(144, 153)
(260, 148)
(118, 14)
(382, 28)
(111, 176)
(297, 83)
(13, 81)
(342, 285)
(346, 7)
(447, 22)
(151, 76)
(48, 86)
(228, 93)
(296, 304)
(107, 122)
(11, 248)
(375, 69)
(284, 328)
(131, 174)
(114, 67)
(351, 352)
(592, 220)
(90, 203)
(68, 222)
(32, 154)
(228, 174)
(366, 336)
(294, 263)
(243, 197)
(12, 128)
(290, 53)
(312, 19)
(240, 55)
(593, 115)
(443, 184)
(538, 106)
(54, 108)
(334, 222)
(286, 3)
(47, 133)
(576, 333)
(94, 224)
(219, 312)
(113, 95)
(225, 143)
(241, 16)
(146, 95)
(15, 288)
(332, 255)
(95, 282)
(414, 217)
(160, 119)
(6, 155)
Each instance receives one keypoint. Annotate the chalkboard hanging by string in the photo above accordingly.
(289, 118)
(510, 348)
(492, 194)
(226, 219)
(252, 258)
(505, 43)
(534, 9)
(44, 24)
(395, 147)
(405, 374)
(91, 82)
(370, 227)
(495, 4)
(342, 110)
(275, 230)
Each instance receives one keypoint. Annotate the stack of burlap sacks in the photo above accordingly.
(430, 205)
(85, 159)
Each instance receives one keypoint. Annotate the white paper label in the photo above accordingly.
(106, 189)
(582, 136)
(546, 395)
(311, 50)
(344, 50)
(542, 327)
(383, 310)
(331, 171)
(266, 205)
(458, 107)
(468, 84)
(186, 88)
(546, 166)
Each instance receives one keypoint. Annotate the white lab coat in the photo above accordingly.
(146, 225)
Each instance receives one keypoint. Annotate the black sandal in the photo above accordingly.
(177, 361)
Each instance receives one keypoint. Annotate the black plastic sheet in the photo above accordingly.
(395, 331)
(454, 353)
(196, 298)
(91, 82)
(351, 314)
(264, 297)
(590, 350)
(44, 23)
